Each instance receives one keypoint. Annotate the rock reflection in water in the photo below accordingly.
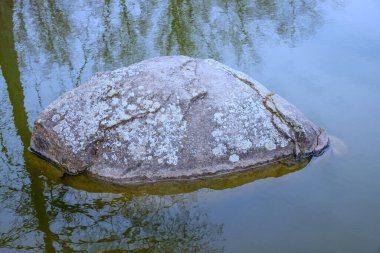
(49, 47)
(102, 222)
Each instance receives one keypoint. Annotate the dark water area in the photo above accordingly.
(322, 56)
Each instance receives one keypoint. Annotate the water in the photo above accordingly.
(323, 56)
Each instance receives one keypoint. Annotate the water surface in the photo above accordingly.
(323, 56)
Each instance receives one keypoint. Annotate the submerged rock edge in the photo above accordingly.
(277, 106)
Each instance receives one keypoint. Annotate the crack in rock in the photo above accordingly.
(298, 151)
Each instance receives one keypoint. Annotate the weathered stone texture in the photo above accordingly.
(168, 118)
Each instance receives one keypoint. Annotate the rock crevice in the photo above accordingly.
(299, 152)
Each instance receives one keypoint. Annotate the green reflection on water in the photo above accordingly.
(11, 74)
(49, 47)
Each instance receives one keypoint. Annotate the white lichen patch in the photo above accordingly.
(234, 158)
(156, 105)
(217, 133)
(55, 117)
(219, 150)
(114, 101)
(131, 107)
(245, 144)
(218, 117)
(270, 145)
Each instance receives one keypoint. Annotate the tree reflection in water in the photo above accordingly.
(49, 47)
(107, 222)
(60, 44)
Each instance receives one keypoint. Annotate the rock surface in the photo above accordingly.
(171, 118)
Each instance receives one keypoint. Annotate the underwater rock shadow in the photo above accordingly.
(219, 181)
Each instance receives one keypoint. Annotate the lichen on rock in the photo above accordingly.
(170, 118)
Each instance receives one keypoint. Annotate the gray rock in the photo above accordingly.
(171, 118)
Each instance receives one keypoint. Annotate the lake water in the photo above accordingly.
(323, 56)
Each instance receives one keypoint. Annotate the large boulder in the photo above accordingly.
(171, 118)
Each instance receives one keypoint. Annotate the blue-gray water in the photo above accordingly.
(323, 56)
